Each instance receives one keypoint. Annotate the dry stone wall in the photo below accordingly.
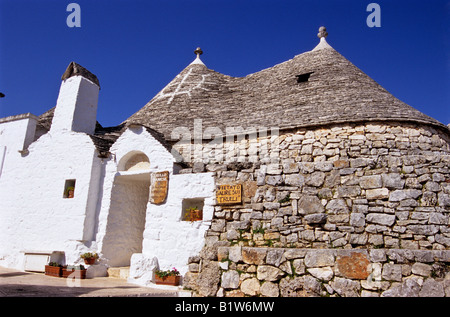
(372, 186)
(289, 272)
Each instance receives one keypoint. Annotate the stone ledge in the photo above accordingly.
(273, 272)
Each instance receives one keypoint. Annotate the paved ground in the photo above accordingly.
(15, 283)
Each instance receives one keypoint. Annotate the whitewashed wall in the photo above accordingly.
(34, 214)
(110, 213)
(166, 240)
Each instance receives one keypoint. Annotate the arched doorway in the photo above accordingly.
(128, 208)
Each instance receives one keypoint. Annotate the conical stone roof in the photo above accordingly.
(335, 92)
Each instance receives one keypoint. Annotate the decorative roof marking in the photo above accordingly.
(185, 86)
(177, 90)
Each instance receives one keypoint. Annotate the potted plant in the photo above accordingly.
(193, 214)
(89, 257)
(70, 192)
(168, 277)
(53, 269)
(74, 271)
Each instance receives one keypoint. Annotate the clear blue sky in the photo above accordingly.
(137, 47)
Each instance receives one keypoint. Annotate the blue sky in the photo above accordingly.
(136, 47)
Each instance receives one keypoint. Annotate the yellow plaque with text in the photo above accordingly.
(229, 194)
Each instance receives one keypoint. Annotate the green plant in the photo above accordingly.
(164, 274)
(54, 264)
(69, 192)
(259, 230)
(75, 267)
(89, 255)
(190, 214)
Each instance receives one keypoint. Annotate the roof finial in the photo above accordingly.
(322, 32)
(198, 52)
(323, 42)
(197, 60)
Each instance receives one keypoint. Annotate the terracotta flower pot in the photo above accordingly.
(89, 261)
(53, 270)
(196, 215)
(78, 274)
(168, 280)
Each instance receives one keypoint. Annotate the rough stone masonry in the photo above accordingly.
(351, 210)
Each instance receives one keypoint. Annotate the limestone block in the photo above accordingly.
(315, 179)
(316, 218)
(308, 204)
(370, 182)
(250, 286)
(142, 268)
(432, 288)
(337, 206)
(275, 257)
(294, 180)
(269, 273)
(421, 269)
(392, 272)
(409, 288)
(319, 258)
(254, 255)
(381, 219)
(378, 193)
(346, 287)
(399, 195)
(357, 219)
(230, 279)
(392, 180)
(290, 166)
(353, 264)
(323, 273)
(208, 279)
(270, 289)
(299, 266)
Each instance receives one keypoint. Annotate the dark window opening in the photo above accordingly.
(192, 209)
(69, 188)
(303, 77)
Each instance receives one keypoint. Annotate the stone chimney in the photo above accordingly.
(76, 107)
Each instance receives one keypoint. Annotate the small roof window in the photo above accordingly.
(303, 77)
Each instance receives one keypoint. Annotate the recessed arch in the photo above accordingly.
(134, 161)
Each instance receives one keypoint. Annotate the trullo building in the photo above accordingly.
(309, 176)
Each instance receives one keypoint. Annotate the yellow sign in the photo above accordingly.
(229, 194)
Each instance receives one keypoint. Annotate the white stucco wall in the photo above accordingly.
(17, 132)
(132, 141)
(165, 238)
(110, 213)
(76, 107)
(168, 238)
(34, 215)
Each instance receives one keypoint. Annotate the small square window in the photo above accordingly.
(192, 209)
(69, 188)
